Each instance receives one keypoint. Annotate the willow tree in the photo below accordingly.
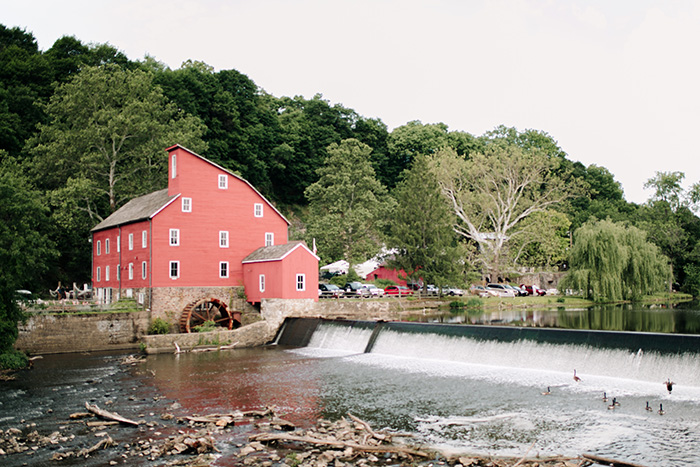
(494, 192)
(610, 262)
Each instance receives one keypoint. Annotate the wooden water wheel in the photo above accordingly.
(206, 309)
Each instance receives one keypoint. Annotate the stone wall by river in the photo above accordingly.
(46, 333)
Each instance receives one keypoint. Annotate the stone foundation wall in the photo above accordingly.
(168, 302)
(70, 332)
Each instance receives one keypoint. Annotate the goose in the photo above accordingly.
(576, 378)
(648, 408)
(613, 405)
(605, 397)
(661, 409)
(547, 392)
(669, 385)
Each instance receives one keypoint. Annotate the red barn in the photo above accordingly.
(383, 272)
(182, 248)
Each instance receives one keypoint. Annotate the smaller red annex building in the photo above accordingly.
(187, 244)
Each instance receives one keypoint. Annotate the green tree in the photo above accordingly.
(420, 229)
(612, 262)
(493, 193)
(416, 138)
(546, 241)
(667, 188)
(104, 142)
(25, 249)
(347, 206)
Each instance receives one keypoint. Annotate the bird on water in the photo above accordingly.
(661, 409)
(576, 378)
(613, 405)
(669, 385)
(547, 392)
(605, 397)
(648, 407)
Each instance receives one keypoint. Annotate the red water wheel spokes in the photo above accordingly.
(207, 309)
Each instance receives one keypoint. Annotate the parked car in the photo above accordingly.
(501, 289)
(356, 289)
(452, 291)
(399, 290)
(482, 291)
(329, 291)
(430, 289)
(517, 290)
(374, 291)
(533, 290)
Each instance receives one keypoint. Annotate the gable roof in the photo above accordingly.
(275, 252)
(138, 209)
(172, 148)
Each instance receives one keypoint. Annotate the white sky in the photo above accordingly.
(616, 83)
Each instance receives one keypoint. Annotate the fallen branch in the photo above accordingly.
(105, 443)
(267, 437)
(369, 429)
(609, 462)
(109, 415)
(525, 455)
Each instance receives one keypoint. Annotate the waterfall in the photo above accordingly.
(643, 357)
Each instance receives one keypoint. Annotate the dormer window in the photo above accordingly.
(223, 182)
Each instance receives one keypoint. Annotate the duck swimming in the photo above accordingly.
(661, 409)
(576, 378)
(605, 397)
(547, 392)
(614, 404)
(648, 408)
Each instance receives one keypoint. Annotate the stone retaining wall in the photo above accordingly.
(46, 333)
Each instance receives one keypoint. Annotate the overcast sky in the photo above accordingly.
(616, 83)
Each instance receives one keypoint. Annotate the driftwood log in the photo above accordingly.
(610, 462)
(109, 415)
(268, 437)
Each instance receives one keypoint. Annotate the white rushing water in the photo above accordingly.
(482, 396)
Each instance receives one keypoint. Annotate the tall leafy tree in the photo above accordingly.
(104, 142)
(25, 247)
(416, 138)
(420, 229)
(348, 206)
(493, 193)
(612, 262)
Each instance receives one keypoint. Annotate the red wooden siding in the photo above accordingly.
(280, 276)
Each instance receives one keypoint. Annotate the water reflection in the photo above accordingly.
(679, 318)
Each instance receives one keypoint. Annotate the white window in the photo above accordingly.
(223, 238)
(301, 282)
(174, 237)
(261, 282)
(131, 241)
(144, 269)
(99, 247)
(186, 204)
(223, 269)
(223, 182)
(119, 271)
(106, 273)
(174, 269)
(131, 271)
(141, 298)
(106, 246)
(119, 243)
(269, 238)
(97, 274)
(258, 210)
(144, 239)
(173, 166)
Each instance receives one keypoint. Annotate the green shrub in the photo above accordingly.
(561, 300)
(205, 327)
(159, 326)
(474, 302)
(13, 360)
(456, 304)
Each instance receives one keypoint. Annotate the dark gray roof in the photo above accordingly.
(137, 209)
(272, 253)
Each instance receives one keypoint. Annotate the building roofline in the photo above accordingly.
(179, 146)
